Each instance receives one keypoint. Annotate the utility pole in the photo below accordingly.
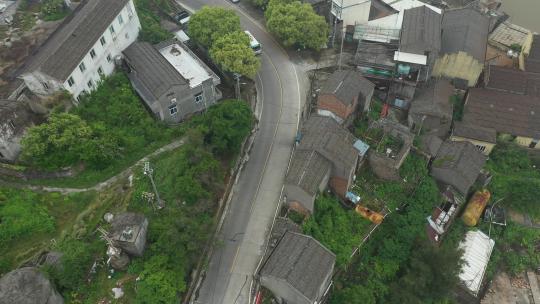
(148, 171)
(237, 86)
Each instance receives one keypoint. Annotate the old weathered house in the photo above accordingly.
(507, 113)
(129, 232)
(173, 82)
(385, 164)
(307, 176)
(82, 50)
(15, 118)
(464, 44)
(420, 44)
(343, 94)
(483, 138)
(28, 285)
(457, 164)
(512, 81)
(299, 270)
(432, 109)
(325, 155)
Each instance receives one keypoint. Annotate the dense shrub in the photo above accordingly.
(21, 215)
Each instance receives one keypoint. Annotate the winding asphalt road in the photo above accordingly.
(255, 197)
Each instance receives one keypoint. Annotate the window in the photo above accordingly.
(111, 29)
(71, 82)
(481, 148)
(199, 98)
(173, 110)
(102, 40)
(92, 53)
(11, 125)
(120, 19)
(100, 71)
(45, 85)
(109, 58)
(90, 84)
(82, 67)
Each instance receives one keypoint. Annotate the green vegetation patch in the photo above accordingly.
(338, 229)
(515, 180)
(148, 12)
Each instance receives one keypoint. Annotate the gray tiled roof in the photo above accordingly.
(513, 81)
(346, 85)
(421, 31)
(430, 144)
(458, 164)
(152, 74)
(335, 143)
(466, 30)
(471, 131)
(308, 169)
(508, 113)
(67, 46)
(532, 62)
(302, 262)
(434, 99)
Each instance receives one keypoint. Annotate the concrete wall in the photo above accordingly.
(124, 35)
(352, 11)
(184, 98)
(9, 145)
(488, 147)
(526, 142)
(458, 65)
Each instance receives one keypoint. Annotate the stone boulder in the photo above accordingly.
(28, 286)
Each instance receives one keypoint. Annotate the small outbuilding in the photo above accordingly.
(129, 232)
(458, 164)
(307, 176)
(15, 118)
(477, 248)
(28, 286)
(299, 270)
(432, 109)
(344, 93)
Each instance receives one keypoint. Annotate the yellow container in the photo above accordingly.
(476, 206)
(373, 216)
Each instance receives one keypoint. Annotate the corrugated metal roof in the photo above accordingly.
(465, 30)
(361, 146)
(477, 248)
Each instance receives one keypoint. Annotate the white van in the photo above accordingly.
(254, 44)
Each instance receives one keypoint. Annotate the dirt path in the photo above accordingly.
(100, 186)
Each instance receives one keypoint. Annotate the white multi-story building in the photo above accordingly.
(82, 50)
(351, 12)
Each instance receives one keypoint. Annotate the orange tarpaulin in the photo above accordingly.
(476, 206)
(373, 216)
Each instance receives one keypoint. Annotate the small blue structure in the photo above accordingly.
(355, 199)
(361, 146)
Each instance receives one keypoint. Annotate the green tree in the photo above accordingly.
(58, 142)
(74, 266)
(296, 24)
(158, 283)
(211, 23)
(226, 125)
(233, 53)
(429, 276)
(151, 30)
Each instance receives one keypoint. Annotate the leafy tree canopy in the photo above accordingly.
(226, 125)
(151, 30)
(233, 53)
(296, 24)
(211, 23)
